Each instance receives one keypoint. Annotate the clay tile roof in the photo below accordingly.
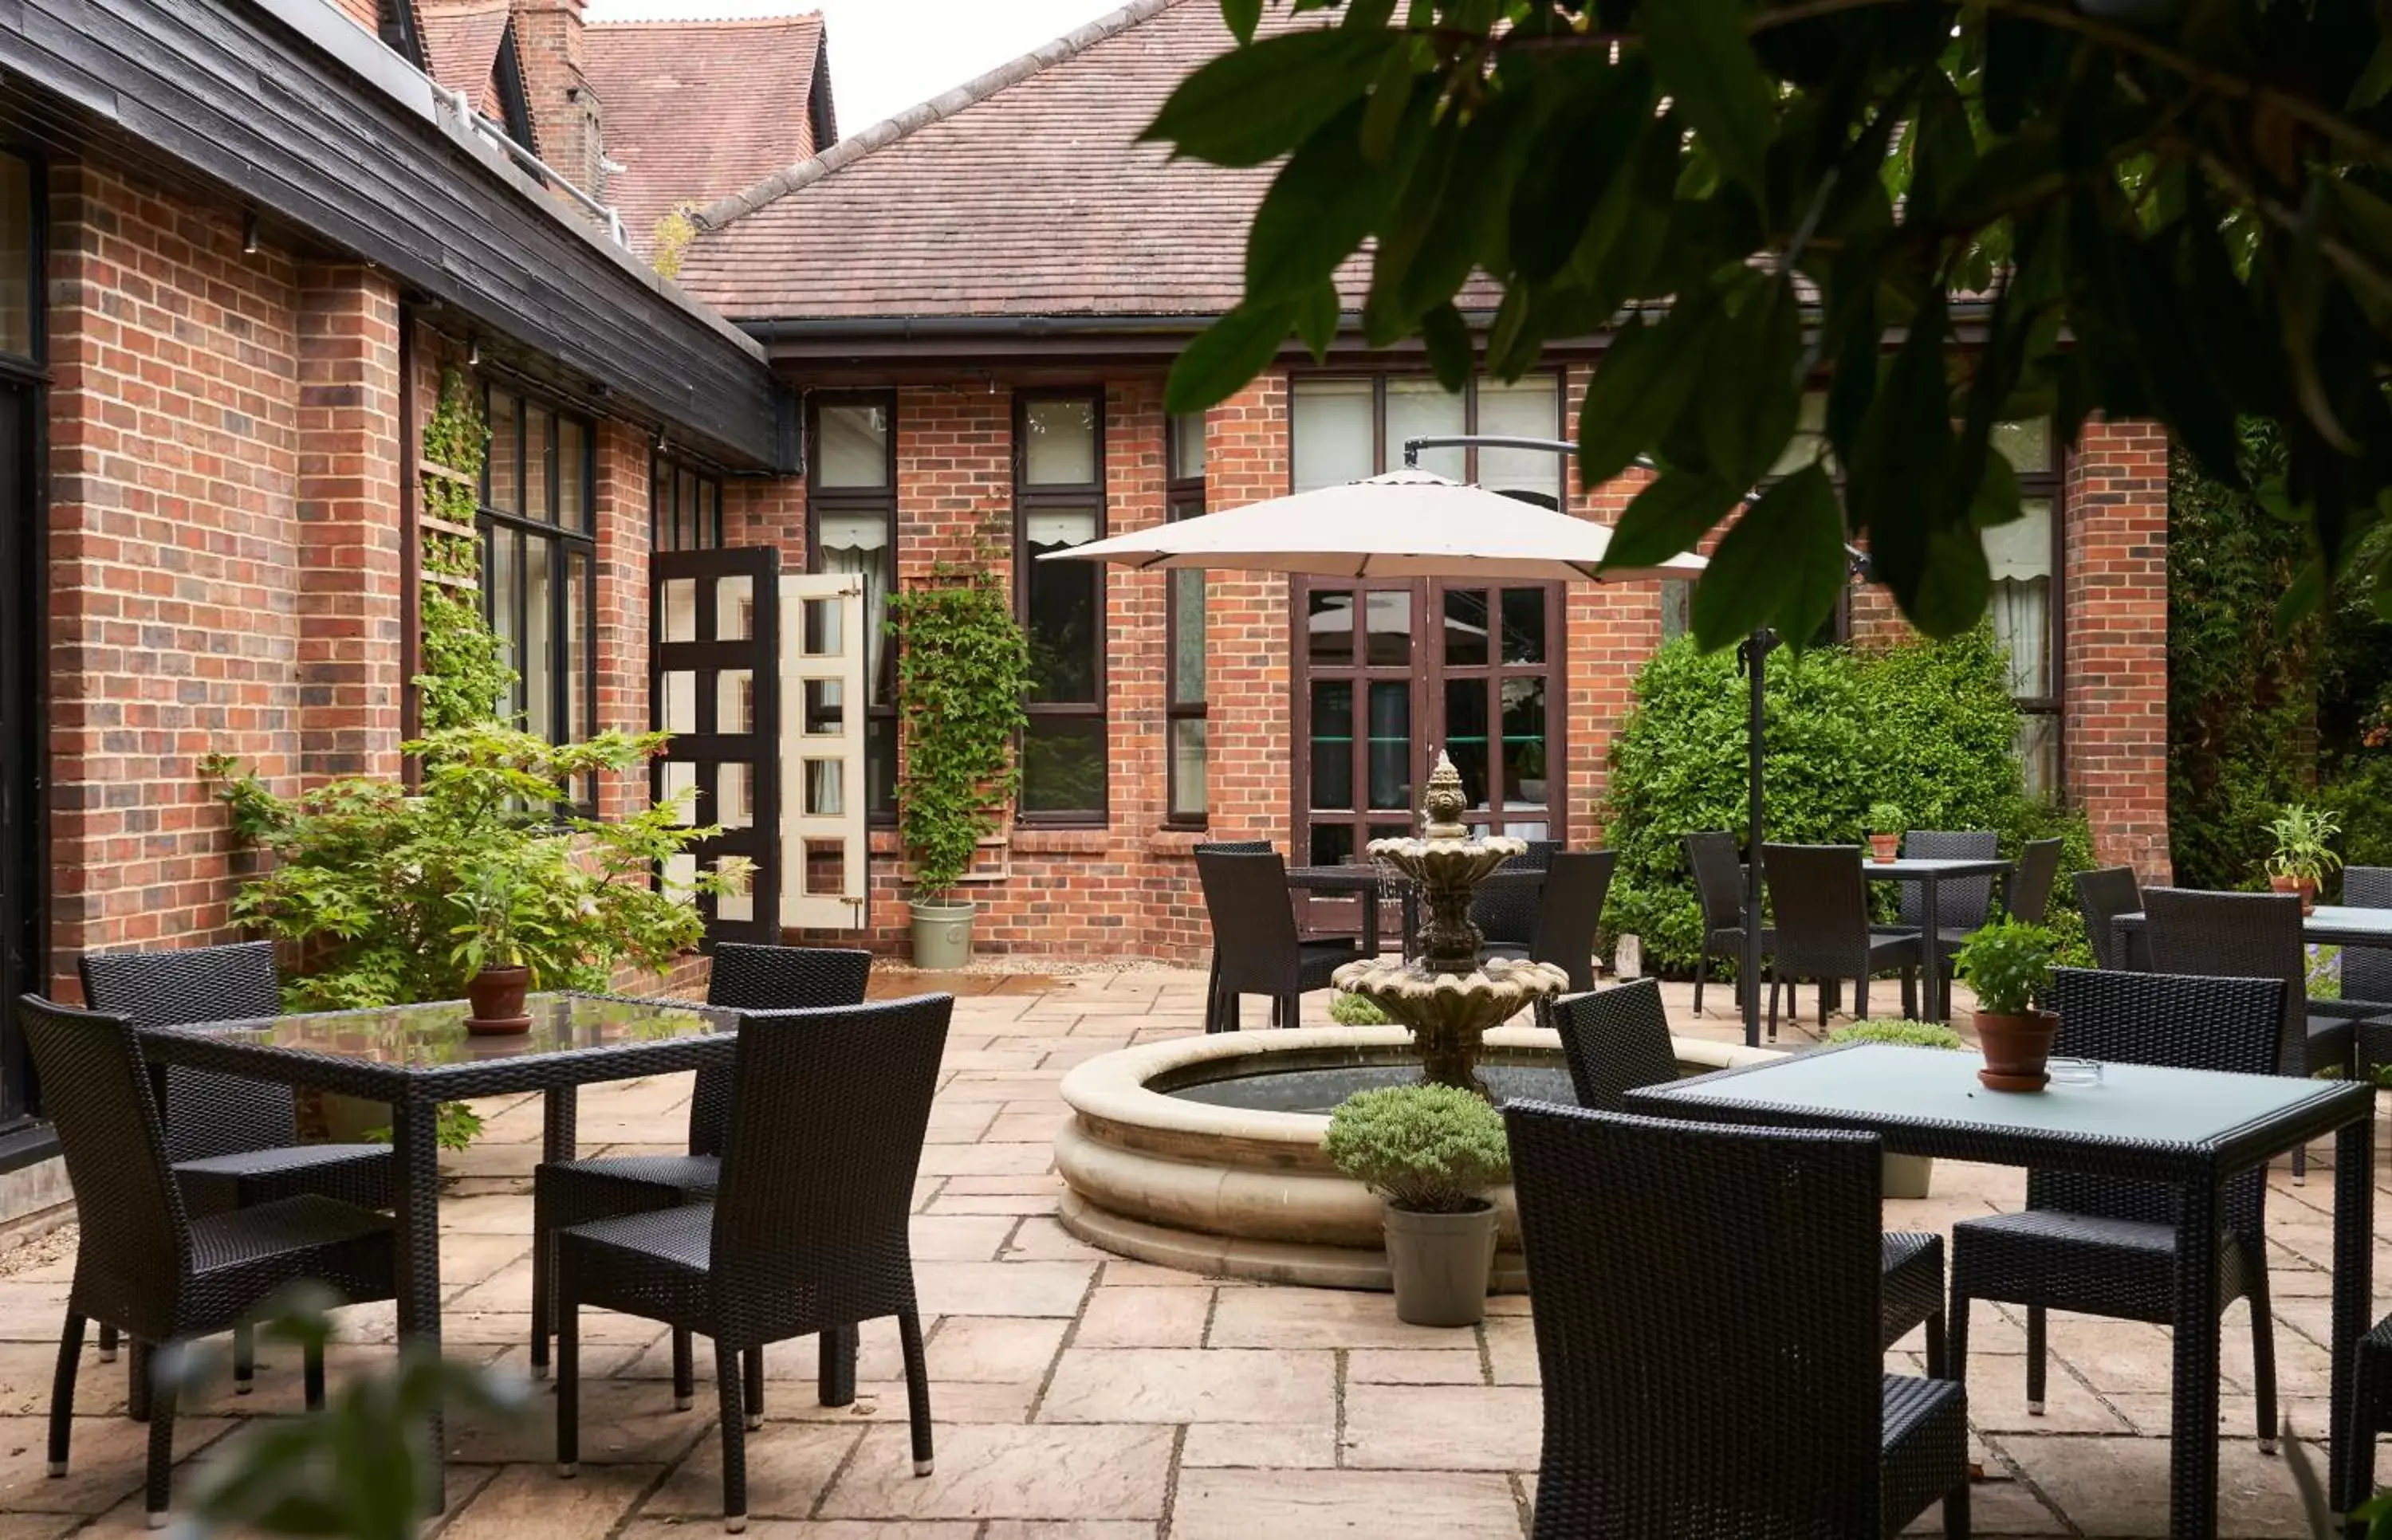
(695, 110)
(1021, 193)
(461, 43)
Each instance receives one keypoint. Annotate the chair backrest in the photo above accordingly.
(2178, 1020)
(2236, 936)
(1706, 1325)
(751, 977)
(207, 1114)
(2028, 894)
(1254, 944)
(1719, 878)
(1616, 1040)
(1964, 901)
(828, 1115)
(1819, 907)
(1237, 847)
(2102, 895)
(135, 1238)
(1569, 911)
(1507, 911)
(2367, 971)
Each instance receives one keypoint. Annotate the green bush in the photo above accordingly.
(1927, 726)
(1905, 1034)
(1354, 1010)
(1433, 1149)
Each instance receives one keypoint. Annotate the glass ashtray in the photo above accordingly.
(2073, 1071)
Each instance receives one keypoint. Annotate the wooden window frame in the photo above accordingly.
(880, 652)
(1089, 498)
(1183, 497)
(566, 541)
(665, 512)
(2051, 483)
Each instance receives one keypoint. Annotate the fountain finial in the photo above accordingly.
(1445, 802)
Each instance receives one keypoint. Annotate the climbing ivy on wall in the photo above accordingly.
(465, 675)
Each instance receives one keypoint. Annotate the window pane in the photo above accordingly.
(880, 766)
(678, 781)
(1187, 768)
(1466, 628)
(734, 802)
(735, 607)
(2027, 443)
(1391, 743)
(579, 724)
(572, 478)
(825, 868)
(1060, 443)
(1186, 638)
(537, 424)
(1332, 843)
(1677, 608)
(2020, 555)
(1524, 743)
(854, 446)
(1465, 736)
(1525, 408)
(660, 528)
(685, 511)
(1422, 408)
(2038, 750)
(1330, 434)
(1187, 446)
(506, 436)
(1524, 624)
(858, 543)
(538, 641)
(1810, 438)
(1329, 629)
(1066, 615)
(823, 636)
(1063, 765)
(678, 621)
(709, 514)
(1387, 618)
(499, 571)
(16, 255)
(826, 710)
(1332, 743)
(825, 782)
(735, 701)
(737, 901)
(680, 701)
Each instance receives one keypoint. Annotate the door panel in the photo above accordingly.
(824, 849)
(714, 687)
(22, 745)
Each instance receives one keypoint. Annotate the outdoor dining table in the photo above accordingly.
(1366, 881)
(1929, 871)
(2327, 924)
(2193, 1129)
(414, 1057)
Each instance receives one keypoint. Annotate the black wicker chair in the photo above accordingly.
(1719, 887)
(1617, 1041)
(145, 1264)
(2102, 895)
(1821, 905)
(807, 1232)
(2371, 1402)
(1507, 914)
(2102, 1246)
(1256, 948)
(2027, 895)
(1962, 904)
(234, 1142)
(1644, 1238)
(745, 978)
(1212, 968)
(1569, 911)
(2367, 971)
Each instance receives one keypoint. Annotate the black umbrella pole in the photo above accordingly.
(1756, 658)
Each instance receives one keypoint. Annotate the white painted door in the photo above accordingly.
(823, 840)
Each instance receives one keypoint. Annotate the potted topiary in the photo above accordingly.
(1430, 1152)
(963, 667)
(1905, 1175)
(504, 923)
(2302, 857)
(2009, 963)
(1885, 822)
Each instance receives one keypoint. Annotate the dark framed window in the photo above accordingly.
(1183, 709)
(685, 507)
(851, 527)
(1058, 500)
(540, 559)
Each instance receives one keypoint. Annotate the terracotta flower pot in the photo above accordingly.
(498, 998)
(2016, 1049)
(1885, 849)
(1440, 1264)
(2304, 887)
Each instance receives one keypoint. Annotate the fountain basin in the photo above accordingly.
(1203, 1154)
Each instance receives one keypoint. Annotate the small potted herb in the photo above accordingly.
(504, 921)
(1905, 1175)
(2302, 857)
(1885, 822)
(1431, 1153)
(2009, 963)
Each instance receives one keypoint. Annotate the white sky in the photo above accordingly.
(886, 55)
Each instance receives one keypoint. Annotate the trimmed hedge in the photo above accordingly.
(1929, 726)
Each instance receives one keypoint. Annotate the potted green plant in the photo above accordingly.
(494, 943)
(1430, 1152)
(963, 667)
(2009, 964)
(1904, 1175)
(2302, 857)
(1885, 822)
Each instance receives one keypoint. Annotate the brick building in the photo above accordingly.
(241, 243)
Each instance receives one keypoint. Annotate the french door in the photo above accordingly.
(21, 743)
(714, 683)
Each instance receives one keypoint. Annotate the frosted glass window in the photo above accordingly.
(1525, 408)
(679, 617)
(2020, 555)
(1329, 432)
(1059, 442)
(679, 789)
(1423, 408)
(854, 446)
(1187, 446)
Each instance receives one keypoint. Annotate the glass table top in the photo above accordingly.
(1936, 866)
(433, 1033)
(1883, 1084)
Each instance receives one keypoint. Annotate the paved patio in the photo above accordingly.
(1083, 1397)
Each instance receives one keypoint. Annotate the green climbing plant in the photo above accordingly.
(466, 676)
(963, 667)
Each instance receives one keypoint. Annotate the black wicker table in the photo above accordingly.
(2326, 925)
(1365, 880)
(2190, 1128)
(1927, 871)
(416, 1056)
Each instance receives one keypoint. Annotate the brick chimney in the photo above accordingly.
(565, 111)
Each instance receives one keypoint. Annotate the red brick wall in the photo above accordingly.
(624, 485)
(2114, 641)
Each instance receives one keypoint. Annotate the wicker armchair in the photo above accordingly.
(2371, 1402)
(1569, 911)
(1256, 948)
(1212, 967)
(2027, 896)
(807, 1232)
(1719, 887)
(1820, 903)
(234, 1143)
(2101, 1246)
(763, 981)
(2367, 971)
(1617, 1041)
(1507, 914)
(2102, 895)
(1781, 1421)
(145, 1264)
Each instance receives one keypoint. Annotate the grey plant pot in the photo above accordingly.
(1440, 1264)
(1908, 1175)
(943, 934)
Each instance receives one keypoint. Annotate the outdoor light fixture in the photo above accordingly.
(249, 234)
(473, 353)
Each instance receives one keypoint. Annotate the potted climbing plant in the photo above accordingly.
(963, 667)
(1431, 1153)
(2302, 856)
(2009, 963)
(1885, 822)
(504, 925)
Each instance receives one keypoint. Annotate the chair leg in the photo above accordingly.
(1213, 994)
(542, 1304)
(1957, 1338)
(245, 1359)
(107, 1343)
(137, 1379)
(1860, 998)
(2035, 1356)
(1291, 1013)
(62, 1389)
(161, 1453)
(1956, 1510)
(835, 1372)
(752, 1366)
(2263, 1358)
(917, 1386)
(2300, 1165)
(1910, 994)
(1702, 971)
(735, 1436)
(568, 1386)
(312, 1376)
(1772, 1003)
(1939, 1365)
(684, 1370)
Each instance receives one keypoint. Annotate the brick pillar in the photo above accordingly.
(350, 463)
(623, 491)
(1248, 633)
(2114, 622)
(1136, 635)
(565, 115)
(1609, 633)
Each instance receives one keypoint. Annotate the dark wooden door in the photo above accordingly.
(714, 685)
(23, 744)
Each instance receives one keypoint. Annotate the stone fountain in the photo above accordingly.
(1447, 997)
